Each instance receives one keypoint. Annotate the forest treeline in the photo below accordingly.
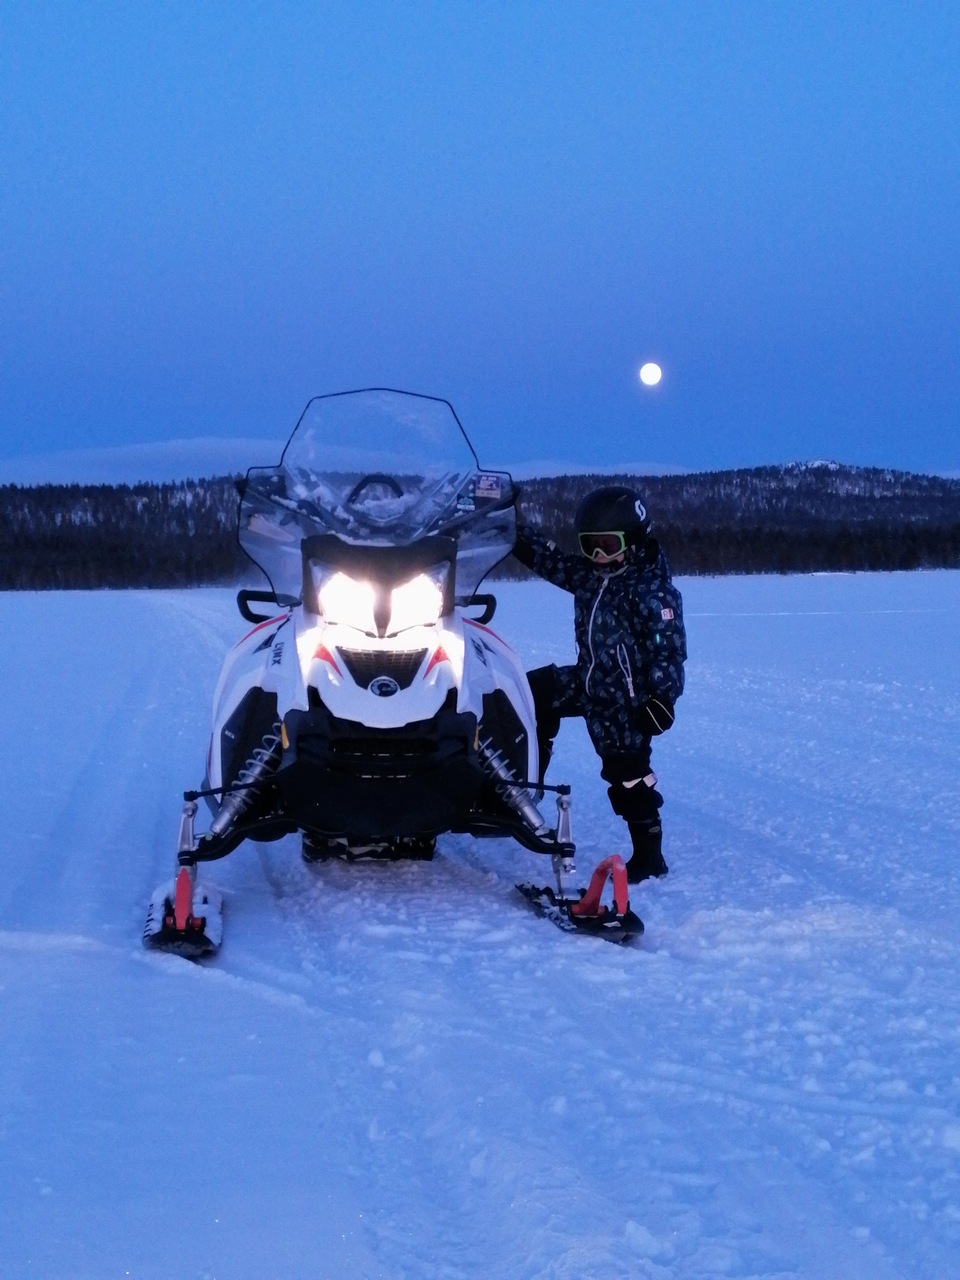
(793, 519)
(800, 518)
(143, 535)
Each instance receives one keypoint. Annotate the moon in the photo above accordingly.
(650, 374)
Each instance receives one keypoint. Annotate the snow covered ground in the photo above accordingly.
(399, 1072)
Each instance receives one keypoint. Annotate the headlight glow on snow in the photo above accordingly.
(417, 603)
(348, 602)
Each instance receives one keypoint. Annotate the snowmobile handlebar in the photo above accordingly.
(246, 596)
(484, 599)
(375, 478)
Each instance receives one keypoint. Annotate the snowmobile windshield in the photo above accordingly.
(379, 468)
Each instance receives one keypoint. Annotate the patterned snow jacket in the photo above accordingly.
(629, 630)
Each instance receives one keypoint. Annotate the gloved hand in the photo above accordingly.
(656, 716)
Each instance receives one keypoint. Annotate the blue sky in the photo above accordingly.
(211, 212)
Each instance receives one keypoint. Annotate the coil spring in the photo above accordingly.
(251, 777)
(509, 788)
(264, 755)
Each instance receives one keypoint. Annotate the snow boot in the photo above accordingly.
(647, 859)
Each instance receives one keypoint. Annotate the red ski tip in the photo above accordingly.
(183, 900)
(613, 867)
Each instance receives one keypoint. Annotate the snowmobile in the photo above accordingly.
(371, 708)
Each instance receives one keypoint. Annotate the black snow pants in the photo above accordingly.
(632, 785)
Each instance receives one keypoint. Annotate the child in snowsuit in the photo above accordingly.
(631, 647)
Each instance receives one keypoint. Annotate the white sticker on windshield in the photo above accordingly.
(488, 486)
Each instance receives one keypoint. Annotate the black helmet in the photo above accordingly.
(609, 521)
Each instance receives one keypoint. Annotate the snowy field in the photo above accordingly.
(400, 1072)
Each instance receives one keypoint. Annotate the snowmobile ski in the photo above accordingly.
(185, 917)
(585, 913)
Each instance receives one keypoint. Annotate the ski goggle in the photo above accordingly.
(603, 546)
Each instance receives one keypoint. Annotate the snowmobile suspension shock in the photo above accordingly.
(187, 842)
(563, 864)
(509, 788)
(250, 779)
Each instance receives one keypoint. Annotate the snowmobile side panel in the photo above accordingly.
(501, 722)
(243, 732)
(505, 674)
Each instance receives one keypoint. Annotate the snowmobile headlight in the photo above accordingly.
(347, 602)
(419, 602)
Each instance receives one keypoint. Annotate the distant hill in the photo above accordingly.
(161, 462)
(788, 519)
(168, 461)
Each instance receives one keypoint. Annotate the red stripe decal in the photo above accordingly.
(480, 627)
(183, 900)
(270, 622)
(439, 655)
(323, 654)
